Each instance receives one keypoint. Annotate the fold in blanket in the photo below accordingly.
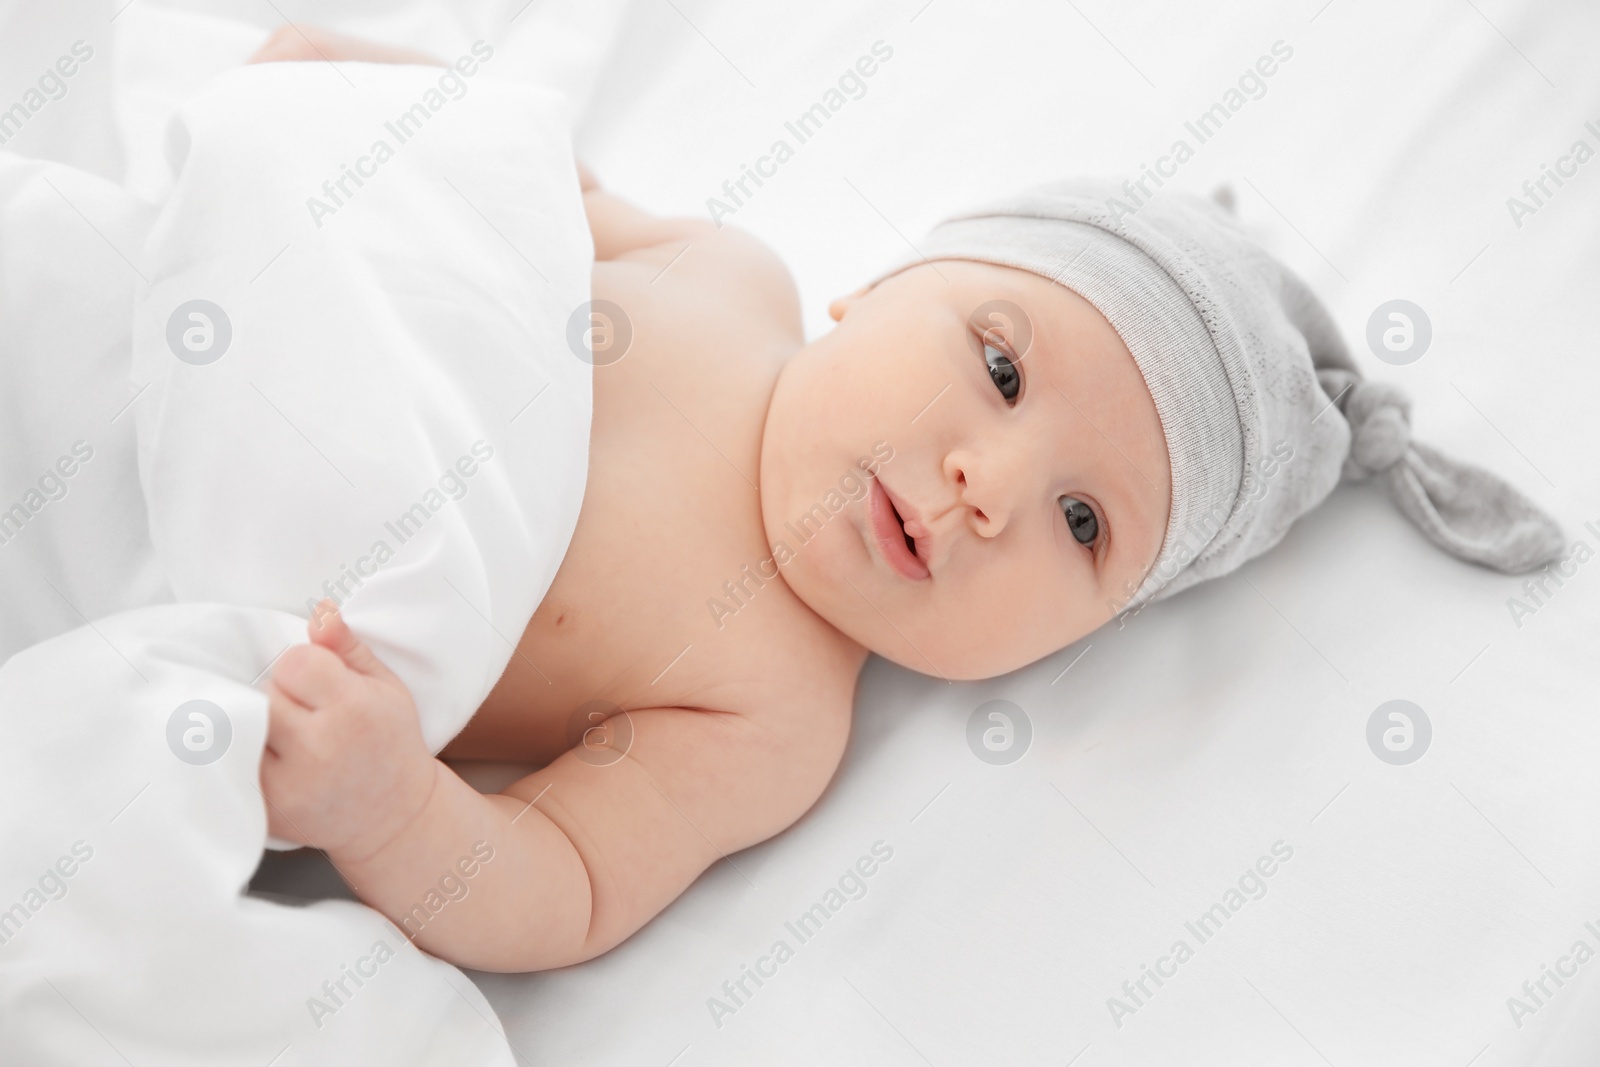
(377, 404)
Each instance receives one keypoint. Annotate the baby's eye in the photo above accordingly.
(1003, 371)
(1080, 520)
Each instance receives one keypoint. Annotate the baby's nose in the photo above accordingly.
(985, 487)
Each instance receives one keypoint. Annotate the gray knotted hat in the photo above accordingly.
(1262, 407)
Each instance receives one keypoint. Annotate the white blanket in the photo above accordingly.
(356, 389)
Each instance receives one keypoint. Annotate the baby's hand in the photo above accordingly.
(345, 767)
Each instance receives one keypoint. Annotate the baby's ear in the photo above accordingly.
(837, 309)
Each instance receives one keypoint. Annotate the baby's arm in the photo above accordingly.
(580, 854)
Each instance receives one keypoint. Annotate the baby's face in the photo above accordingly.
(1028, 467)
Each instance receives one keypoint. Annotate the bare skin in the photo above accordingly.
(1030, 472)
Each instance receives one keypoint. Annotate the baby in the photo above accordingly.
(1057, 412)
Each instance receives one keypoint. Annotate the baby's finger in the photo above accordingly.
(311, 676)
(284, 43)
(328, 629)
(285, 718)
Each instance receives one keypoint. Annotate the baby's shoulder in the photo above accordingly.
(806, 697)
(703, 264)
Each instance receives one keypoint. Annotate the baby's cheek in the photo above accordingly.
(990, 625)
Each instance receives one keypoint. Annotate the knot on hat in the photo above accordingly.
(1465, 510)
(1380, 421)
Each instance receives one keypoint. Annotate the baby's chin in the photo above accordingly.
(958, 642)
(832, 574)
(819, 570)
(940, 641)
(945, 663)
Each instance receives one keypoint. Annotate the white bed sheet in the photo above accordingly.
(1177, 751)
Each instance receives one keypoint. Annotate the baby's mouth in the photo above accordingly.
(911, 542)
(895, 543)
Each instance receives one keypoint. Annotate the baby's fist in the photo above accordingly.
(345, 768)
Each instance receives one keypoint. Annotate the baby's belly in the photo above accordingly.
(562, 681)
